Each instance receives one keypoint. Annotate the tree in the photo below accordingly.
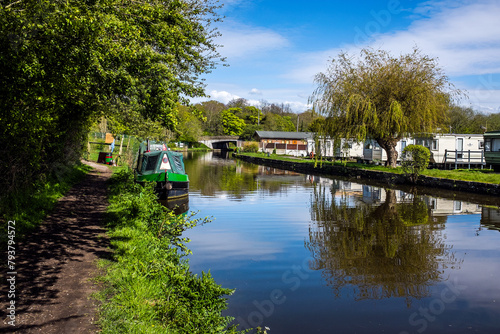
(189, 126)
(415, 161)
(383, 97)
(211, 111)
(232, 125)
(64, 64)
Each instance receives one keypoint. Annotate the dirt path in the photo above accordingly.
(55, 264)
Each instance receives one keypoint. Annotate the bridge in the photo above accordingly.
(219, 142)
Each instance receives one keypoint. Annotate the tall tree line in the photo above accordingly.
(239, 118)
(65, 64)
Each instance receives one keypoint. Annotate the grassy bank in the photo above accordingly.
(29, 207)
(475, 175)
(148, 287)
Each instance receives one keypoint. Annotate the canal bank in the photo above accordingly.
(391, 179)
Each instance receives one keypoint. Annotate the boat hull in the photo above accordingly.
(167, 190)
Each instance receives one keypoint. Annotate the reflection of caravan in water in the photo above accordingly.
(490, 218)
(445, 207)
(437, 206)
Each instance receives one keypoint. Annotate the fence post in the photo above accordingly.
(456, 158)
(468, 158)
(445, 157)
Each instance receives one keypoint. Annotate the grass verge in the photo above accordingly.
(30, 207)
(474, 175)
(148, 287)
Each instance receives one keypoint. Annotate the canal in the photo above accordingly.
(309, 254)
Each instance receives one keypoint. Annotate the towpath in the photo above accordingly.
(55, 264)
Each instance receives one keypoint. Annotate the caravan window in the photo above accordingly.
(434, 145)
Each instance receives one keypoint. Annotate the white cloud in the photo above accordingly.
(222, 96)
(240, 41)
(255, 91)
(464, 37)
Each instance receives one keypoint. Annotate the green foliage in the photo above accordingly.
(251, 147)
(64, 64)
(149, 288)
(415, 159)
(190, 128)
(232, 125)
(466, 120)
(383, 97)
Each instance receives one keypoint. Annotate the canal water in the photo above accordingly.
(309, 254)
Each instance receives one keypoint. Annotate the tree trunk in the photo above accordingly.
(389, 145)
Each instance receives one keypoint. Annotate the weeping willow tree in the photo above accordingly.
(383, 97)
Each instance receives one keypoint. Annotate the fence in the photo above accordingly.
(461, 158)
(124, 153)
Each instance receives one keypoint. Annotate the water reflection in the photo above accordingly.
(384, 254)
(215, 174)
(382, 243)
(179, 205)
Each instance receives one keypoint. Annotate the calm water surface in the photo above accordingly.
(309, 254)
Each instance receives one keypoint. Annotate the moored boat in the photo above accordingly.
(157, 164)
(492, 149)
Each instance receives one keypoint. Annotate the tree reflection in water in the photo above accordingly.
(394, 249)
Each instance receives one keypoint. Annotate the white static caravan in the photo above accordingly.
(373, 152)
(349, 149)
(451, 149)
(327, 147)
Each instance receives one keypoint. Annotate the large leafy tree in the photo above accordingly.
(64, 64)
(232, 125)
(383, 97)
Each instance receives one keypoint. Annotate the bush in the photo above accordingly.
(415, 159)
(251, 147)
(149, 287)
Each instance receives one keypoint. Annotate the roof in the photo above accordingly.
(283, 135)
(492, 134)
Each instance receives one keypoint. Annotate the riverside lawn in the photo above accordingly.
(147, 287)
(474, 175)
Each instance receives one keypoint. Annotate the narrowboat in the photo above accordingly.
(156, 163)
(492, 149)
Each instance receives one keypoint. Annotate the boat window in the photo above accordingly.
(487, 145)
(150, 162)
(495, 144)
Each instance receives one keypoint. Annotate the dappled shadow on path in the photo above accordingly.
(55, 264)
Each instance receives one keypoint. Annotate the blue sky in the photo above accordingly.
(274, 48)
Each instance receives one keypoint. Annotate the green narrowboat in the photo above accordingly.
(156, 163)
(492, 149)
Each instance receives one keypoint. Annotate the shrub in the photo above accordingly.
(251, 147)
(415, 159)
(149, 287)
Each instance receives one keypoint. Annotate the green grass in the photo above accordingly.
(30, 207)
(474, 175)
(148, 287)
